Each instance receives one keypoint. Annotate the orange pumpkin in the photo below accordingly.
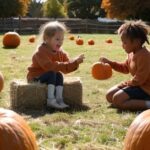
(32, 38)
(101, 71)
(1, 81)
(109, 41)
(71, 37)
(11, 40)
(91, 42)
(15, 134)
(138, 134)
(79, 41)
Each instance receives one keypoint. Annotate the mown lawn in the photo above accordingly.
(96, 128)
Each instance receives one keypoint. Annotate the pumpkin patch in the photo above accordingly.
(91, 42)
(109, 41)
(71, 37)
(15, 133)
(32, 39)
(138, 134)
(101, 71)
(79, 41)
(11, 40)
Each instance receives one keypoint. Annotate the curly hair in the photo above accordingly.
(135, 30)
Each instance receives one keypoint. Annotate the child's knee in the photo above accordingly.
(109, 96)
(118, 100)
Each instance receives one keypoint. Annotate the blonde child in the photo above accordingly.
(50, 61)
(135, 93)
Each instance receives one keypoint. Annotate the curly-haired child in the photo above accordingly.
(135, 93)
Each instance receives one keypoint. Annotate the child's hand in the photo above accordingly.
(104, 60)
(80, 59)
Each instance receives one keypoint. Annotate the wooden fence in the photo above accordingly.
(32, 25)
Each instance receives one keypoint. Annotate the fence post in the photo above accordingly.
(19, 24)
(86, 25)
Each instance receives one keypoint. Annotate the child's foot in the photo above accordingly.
(61, 102)
(53, 103)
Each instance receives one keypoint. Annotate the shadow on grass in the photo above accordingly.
(7, 48)
(120, 111)
(71, 110)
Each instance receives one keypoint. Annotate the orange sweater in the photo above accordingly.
(138, 65)
(44, 60)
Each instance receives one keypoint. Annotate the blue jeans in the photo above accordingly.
(55, 78)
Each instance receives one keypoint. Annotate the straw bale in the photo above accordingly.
(25, 95)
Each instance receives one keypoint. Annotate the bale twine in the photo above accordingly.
(25, 95)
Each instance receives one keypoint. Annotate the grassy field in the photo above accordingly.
(96, 128)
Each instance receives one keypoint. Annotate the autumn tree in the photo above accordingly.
(61, 1)
(127, 9)
(11, 8)
(53, 8)
(84, 9)
(35, 9)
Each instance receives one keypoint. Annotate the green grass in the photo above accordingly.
(98, 128)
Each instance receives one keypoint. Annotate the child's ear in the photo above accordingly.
(45, 38)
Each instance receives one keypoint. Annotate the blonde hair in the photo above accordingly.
(135, 30)
(49, 29)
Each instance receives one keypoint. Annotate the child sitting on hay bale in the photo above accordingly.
(50, 60)
(135, 93)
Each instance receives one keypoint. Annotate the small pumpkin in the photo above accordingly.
(138, 134)
(109, 41)
(11, 40)
(15, 134)
(101, 71)
(1, 81)
(71, 37)
(32, 38)
(91, 42)
(79, 41)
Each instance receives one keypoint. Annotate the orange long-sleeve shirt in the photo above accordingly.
(138, 65)
(44, 60)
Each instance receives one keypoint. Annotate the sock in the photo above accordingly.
(51, 91)
(59, 92)
(147, 104)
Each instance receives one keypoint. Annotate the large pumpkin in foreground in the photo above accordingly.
(1, 81)
(15, 134)
(11, 40)
(101, 71)
(138, 135)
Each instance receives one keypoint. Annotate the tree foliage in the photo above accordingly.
(125, 9)
(11, 8)
(53, 8)
(84, 8)
(35, 9)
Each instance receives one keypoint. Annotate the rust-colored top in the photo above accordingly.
(45, 60)
(138, 64)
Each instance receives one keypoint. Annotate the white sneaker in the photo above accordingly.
(61, 102)
(53, 103)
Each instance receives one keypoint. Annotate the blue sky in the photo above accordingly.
(41, 0)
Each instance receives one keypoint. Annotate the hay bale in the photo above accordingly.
(25, 95)
(72, 91)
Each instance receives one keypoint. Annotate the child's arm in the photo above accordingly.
(142, 73)
(47, 65)
(120, 67)
(79, 59)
